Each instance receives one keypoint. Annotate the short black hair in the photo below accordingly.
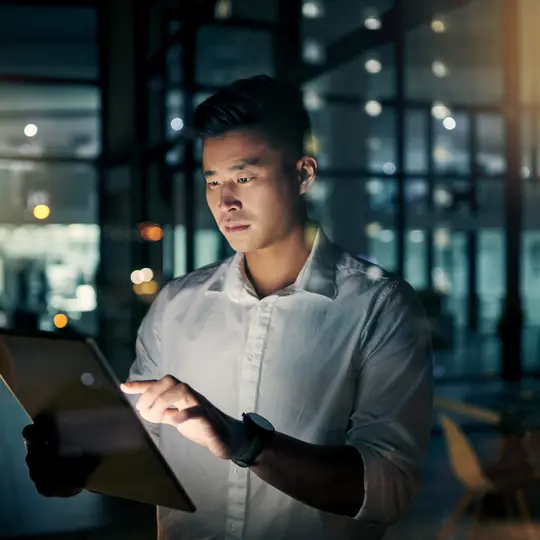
(262, 104)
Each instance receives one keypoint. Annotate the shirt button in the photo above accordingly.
(232, 527)
(235, 470)
(250, 357)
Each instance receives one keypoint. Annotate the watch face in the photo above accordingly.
(261, 421)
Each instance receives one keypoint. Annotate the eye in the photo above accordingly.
(243, 180)
(212, 184)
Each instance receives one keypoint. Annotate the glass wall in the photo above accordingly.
(409, 132)
(49, 137)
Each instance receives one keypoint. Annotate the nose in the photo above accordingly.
(228, 200)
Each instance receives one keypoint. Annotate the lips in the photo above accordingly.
(235, 227)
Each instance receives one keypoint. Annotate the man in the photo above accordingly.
(331, 354)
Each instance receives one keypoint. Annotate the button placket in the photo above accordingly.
(249, 386)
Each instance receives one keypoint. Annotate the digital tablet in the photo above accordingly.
(68, 380)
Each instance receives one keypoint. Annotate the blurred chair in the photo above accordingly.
(466, 467)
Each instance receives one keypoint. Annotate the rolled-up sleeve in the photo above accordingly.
(147, 364)
(391, 419)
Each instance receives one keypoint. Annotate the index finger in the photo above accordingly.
(136, 387)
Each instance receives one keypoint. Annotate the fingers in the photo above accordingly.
(175, 417)
(136, 387)
(176, 398)
(41, 432)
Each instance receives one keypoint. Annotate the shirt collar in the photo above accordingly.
(318, 275)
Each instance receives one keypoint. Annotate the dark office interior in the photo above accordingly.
(426, 117)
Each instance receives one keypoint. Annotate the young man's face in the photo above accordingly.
(251, 197)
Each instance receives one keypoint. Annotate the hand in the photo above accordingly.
(52, 474)
(169, 401)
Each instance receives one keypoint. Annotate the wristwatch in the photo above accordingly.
(259, 432)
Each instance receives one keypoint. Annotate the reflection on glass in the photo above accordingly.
(415, 255)
(382, 249)
(174, 65)
(415, 140)
(450, 271)
(49, 40)
(530, 285)
(416, 197)
(380, 142)
(49, 269)
(451, 150)
(490, 158)
(381, 195)
(44, 120)
(226, 54)
(491, 274)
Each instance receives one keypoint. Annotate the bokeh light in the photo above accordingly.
(30, 130)
(151, 232)
(41, 211)
(60, 320)
(373, 108)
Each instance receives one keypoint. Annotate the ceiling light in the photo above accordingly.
(313, 52)
(449, 123)
(442, 197)
(440, 111)
(313, 100)
(373, 107)
(373, 229)
(312, 10)
(373, 65)
(372, 23)
(31, 130)
(177, 124)
(389, 168)
(439, 69)
(438, 26)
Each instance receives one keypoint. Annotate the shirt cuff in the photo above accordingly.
(384, 493)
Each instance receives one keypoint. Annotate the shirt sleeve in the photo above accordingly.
(147, 364)
(391, 419)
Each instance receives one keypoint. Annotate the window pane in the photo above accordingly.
(416, 142)
(49, 41)
(416, 256)
(68, 190)
(263, 9)
(491, 159)
(49, 241)
(174, 65)
(348, 138)
(49, 121)
(451, 152)
(358, 214)
(370, 76)
(227, 54)
(462, 64)
(491, 254)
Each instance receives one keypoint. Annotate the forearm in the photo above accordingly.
(329, 478)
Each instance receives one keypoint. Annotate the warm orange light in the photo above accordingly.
(42, 211)
(60, 320)
(151, 232)
(146, 288)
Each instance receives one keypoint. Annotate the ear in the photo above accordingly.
(306, 169)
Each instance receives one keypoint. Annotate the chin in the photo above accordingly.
(244, 244)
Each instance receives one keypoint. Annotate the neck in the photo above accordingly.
(277, 266)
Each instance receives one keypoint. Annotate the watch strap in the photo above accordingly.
(250, 453)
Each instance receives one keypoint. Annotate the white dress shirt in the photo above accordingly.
(342, 356)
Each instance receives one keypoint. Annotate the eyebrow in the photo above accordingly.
(240, 166)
